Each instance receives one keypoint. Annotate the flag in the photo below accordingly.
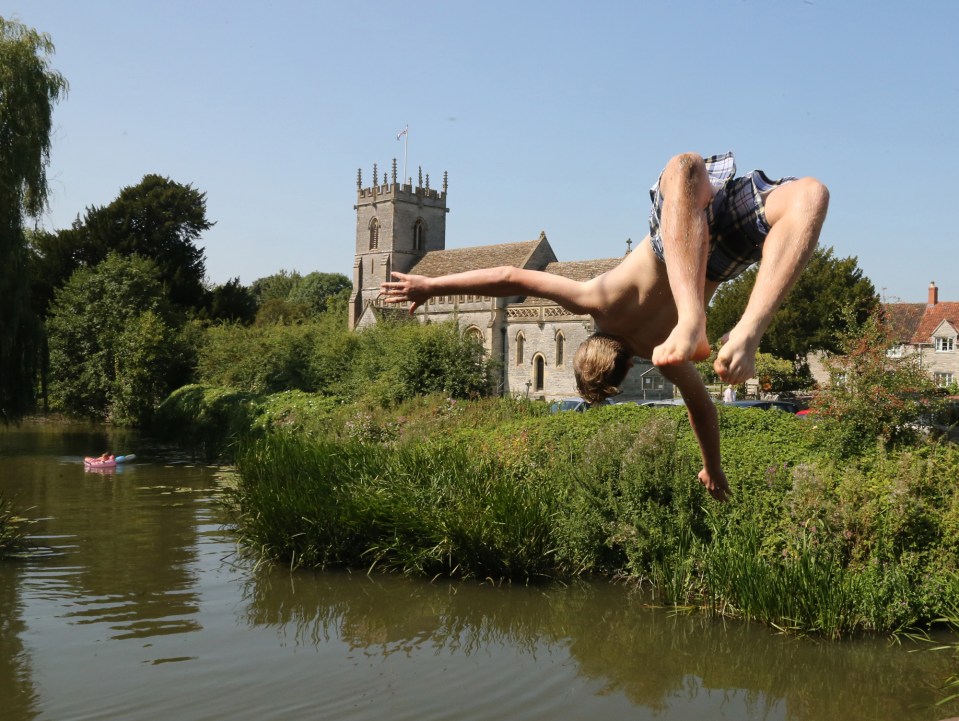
(403, 132)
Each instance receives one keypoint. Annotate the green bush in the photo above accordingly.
(873, 396)
(209, 420)
(258, 359)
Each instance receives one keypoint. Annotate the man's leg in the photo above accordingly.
(686, 194)
(795, 212)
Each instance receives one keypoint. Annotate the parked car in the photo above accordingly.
(577, 405)
(766, 405)
(663, 402)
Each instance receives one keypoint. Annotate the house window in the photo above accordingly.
(374, 234)
(653, 383)
(539, 373)
(419, 234)
(520, 342)
(943, 380)
(945, 345)
(896, 351)
(560, 348)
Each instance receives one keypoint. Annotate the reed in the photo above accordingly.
(12, 529)
(414, 510)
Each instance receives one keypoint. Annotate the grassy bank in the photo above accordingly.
(500, 489)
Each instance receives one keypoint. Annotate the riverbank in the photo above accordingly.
(502, 489)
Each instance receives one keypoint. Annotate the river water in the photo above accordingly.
(134, 605)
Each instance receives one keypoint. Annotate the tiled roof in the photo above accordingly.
(458, 260)
(931, 319)
(581, 270)
(916, 322)
(903, 319)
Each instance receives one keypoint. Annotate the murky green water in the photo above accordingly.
(135, 607)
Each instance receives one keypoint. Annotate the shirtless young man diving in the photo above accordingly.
(706, 226)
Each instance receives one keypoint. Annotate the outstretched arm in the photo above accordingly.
(501, 282)
(705, 423)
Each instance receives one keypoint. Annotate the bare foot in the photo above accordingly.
(683, 344)
(736, 360)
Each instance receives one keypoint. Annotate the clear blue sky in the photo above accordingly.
(552, 116)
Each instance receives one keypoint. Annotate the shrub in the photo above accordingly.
(209, 420)
(872, 396)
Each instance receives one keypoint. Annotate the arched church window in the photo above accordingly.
(539, 372)
(560, 348)
(520, 342)
(374, 234)
(419, 234)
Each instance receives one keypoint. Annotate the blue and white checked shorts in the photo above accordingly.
(736, 217)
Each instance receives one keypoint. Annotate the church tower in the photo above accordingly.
(396, 225)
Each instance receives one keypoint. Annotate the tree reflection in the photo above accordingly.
(17, 689)
(652, 656)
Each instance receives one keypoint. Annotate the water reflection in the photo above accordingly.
(654, 658)
(17, 689)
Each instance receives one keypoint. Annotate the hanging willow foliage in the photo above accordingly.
(29, 88)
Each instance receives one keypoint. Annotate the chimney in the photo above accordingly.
(933, 294)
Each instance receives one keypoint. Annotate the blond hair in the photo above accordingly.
(600, 365)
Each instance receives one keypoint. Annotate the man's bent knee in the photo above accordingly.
(686, 173)
(807, 198)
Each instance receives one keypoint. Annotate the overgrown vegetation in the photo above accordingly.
(504, 490)
(12, 529)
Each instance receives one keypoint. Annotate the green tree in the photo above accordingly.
(393, 362)
(114, 348)
(873, 395)
(259, 359)
(277, 311)
(158, 219)
(232, 302)
(274, 287)
(29, 88)
(316, 290)
(829, 294)
(53, 259)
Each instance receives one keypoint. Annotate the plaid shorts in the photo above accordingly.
(736, 217)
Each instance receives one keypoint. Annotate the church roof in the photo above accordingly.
(581, 270)
(459, 260)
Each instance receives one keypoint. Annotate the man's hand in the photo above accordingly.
(716, 484)
(406, 288)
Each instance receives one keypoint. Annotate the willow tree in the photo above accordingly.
(29, 88)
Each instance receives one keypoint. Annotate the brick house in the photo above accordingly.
(403, 228)
(929, 329)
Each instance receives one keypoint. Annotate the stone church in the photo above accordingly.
(403, 228)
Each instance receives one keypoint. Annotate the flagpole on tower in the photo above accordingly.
(406, 147)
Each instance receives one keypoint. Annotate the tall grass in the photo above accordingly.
(490, 490)
(414, 510)
(12, 529)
